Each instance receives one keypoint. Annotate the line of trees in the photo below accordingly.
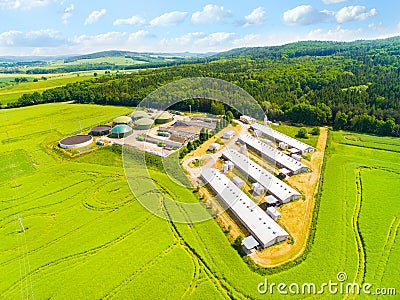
(345, 91)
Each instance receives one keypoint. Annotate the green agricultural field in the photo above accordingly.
(117, 60)
(292, 131)
(12, 93)
(87, 237)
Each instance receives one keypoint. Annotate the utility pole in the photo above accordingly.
(21, 224)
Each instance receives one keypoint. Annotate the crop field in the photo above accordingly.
(117, 60)
(87, 237)
(12, 93)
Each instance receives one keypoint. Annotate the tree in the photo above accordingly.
(203, 135)
(217, 108)
(190, 146)
(302, 133)
(315, 131)
(340, 121)
(229, 116)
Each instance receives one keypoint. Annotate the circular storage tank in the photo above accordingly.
(122, 120)
(139, 114)
(100, 130)
(120, 131)
(144, 123)
(163, 117)
(76, 141)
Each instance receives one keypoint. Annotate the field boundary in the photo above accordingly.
(312, 230)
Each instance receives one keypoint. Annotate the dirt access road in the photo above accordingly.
(297, 216)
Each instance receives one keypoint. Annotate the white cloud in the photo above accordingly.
(305, 15)
(95, 16)
(169, 19)
(133, 21)
(186, 39)
(215, 39)
(25, 4)
(210, 14)
(67, 13)
(135, 41)
(249, 40)
(40, 38)
(257, 17)
(199, 42)
(354, 13)
(334, 1)
(336, 34)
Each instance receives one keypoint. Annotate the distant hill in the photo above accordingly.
(391, 46)
(145, 56)
(30, 59)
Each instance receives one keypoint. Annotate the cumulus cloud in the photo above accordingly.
(67, 13)
(110, 41)
(336, 34)
(95, 16)
(199, 41)
(210, 14)
(305, 15)
(334, 1)
(39, 38)
(257, 17)
(25, 4)
(132, 21)
(215, 39)
(354, 13)
(169, 19)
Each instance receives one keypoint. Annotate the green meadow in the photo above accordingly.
(87, 237)
(12, 93)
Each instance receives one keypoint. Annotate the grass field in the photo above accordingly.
(292, 131)
(117, 60)
(87, 237)
(12, 93)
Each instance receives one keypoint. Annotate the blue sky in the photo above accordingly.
(55, 27)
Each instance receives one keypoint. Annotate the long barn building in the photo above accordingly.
(261, 226)
(279, 137)
(273, 155)
(283, 192)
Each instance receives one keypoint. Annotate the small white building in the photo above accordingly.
(294, 151)
(214, 147)
(284, 171)
(230, 164)
(258, 133)
(239, 182)
(273, 213)
(243, 149)
(271, 200)
(225, 168)
(228, 134)
(250, 244)
(258, 189)
(296, 157)
(247, 119)
(283, 146)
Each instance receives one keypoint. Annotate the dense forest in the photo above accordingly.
(353, 86)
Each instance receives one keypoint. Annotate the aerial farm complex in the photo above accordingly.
(245, 178)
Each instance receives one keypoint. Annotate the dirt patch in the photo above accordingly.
(297, 216)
